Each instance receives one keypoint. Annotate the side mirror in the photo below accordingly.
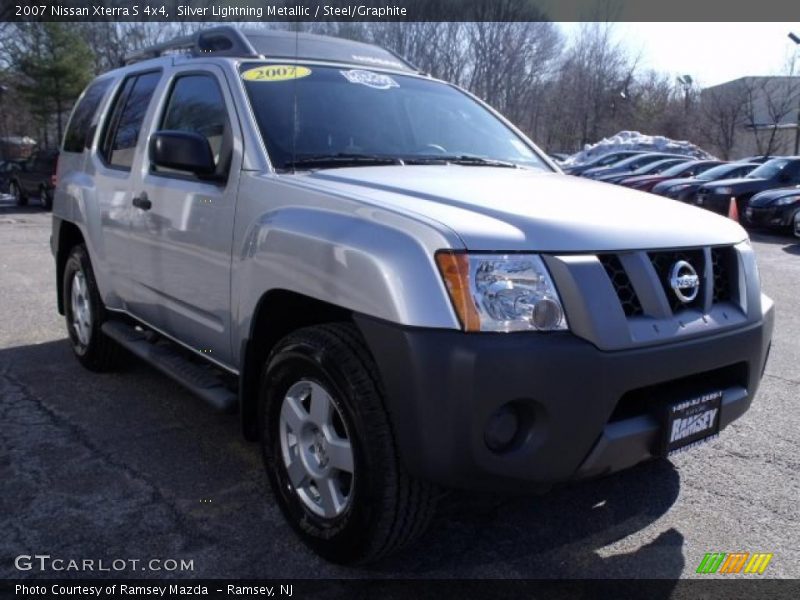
(182, 151)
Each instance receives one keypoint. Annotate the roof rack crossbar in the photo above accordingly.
(218, 41)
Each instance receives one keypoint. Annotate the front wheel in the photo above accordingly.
(85, 314)
(19, 198)
(329, 449)
(46, 198)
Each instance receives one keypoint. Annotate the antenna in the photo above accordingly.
(294, 95)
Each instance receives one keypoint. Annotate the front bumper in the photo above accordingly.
(590, 412)
(717, 203)
(772, 217)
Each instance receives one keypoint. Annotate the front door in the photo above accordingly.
(182, 225)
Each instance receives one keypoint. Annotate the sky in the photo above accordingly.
(711, 53)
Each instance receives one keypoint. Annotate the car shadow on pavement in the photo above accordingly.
(8, 207)
(576, 531)
(129, 456)
(766, 236)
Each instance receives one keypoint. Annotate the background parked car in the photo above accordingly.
(629, 165)
(776, 173)
(773, 209)
(648, 169)
(759, 158)
(797, 224)
(603, 160)
(7, 168)
(558, 157)
(688, 168)
(684, 189)
(36, 177)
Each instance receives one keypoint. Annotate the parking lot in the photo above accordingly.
(128, 465)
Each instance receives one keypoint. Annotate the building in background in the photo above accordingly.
(752, 116)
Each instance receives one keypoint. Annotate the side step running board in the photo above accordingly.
(174, 362)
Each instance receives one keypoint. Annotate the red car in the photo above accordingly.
(689, 168)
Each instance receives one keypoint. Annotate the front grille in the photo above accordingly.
(723, 286)
(622, 284)
(723, 262)
(653, 399)
(663, 263)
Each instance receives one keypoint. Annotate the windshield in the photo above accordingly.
(610, 159)
(656, 167)
(769, 169)
(356, 116)
(721, 171)
(679, 169)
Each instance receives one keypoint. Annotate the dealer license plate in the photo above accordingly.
(692, 422)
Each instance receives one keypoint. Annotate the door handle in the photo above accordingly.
(142, 201)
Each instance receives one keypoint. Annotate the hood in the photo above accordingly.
(668, 183)
(739, 184)
(641, 179)
(768, 197)
(502, 209)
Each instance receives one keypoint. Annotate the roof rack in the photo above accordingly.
(219, 41)
(276, 44)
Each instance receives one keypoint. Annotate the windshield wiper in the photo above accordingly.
(463, 159)
(342, 159)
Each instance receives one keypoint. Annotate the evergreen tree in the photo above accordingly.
(53, 68)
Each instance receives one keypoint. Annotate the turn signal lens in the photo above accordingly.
(454, 268)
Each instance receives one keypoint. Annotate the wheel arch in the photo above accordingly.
(278, 313)
(69, 236)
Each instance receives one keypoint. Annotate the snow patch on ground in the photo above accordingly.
(633, 140)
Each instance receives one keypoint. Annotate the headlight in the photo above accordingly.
(723, 190)
(501, 292)
(786, 200)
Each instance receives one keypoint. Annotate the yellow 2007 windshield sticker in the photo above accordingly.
(271, 73)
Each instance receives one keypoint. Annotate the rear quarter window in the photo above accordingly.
(77, 135)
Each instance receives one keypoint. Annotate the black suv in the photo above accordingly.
(35, 177)
(778, 172)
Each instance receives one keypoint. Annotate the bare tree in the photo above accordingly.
(723, 111)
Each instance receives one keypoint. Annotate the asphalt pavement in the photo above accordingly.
(129, 466)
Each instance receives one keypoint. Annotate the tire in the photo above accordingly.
(46, 198)
(19, 198)
(93, 349)
(379, 507)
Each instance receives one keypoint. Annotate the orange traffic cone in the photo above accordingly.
(733, 210)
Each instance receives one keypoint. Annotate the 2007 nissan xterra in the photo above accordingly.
(396, 290)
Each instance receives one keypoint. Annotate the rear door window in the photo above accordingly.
(125, 123)
(77, 137)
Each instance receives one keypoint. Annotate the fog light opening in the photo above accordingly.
(504, 428)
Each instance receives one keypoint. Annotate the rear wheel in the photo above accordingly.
(85, 314)
(46, 198)
(330, 452)
(19, 198)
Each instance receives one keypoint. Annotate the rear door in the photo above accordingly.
(112, 165)
(181, 238)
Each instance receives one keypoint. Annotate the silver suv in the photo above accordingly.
(394, 288)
